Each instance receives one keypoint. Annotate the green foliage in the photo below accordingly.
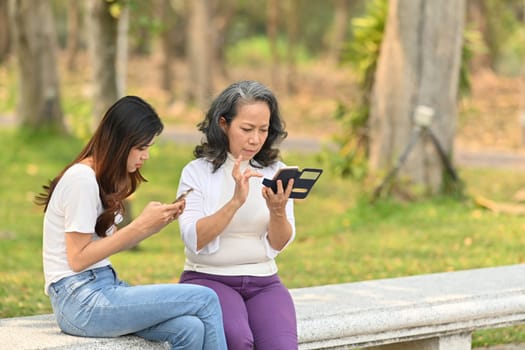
(511, 58)
(472, 44)
(504, 34)
(255, 51)
(362, 52)
(351, 156)
(250, 21)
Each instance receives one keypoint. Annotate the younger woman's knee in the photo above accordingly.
(191, 335)
(209, 296)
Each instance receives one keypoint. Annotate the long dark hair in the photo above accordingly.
(215, 147)
(130, 122)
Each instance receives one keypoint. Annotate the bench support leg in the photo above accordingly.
(450, 342)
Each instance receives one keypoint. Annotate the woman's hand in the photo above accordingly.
(276, 202)
(242, 181)
(157, 215)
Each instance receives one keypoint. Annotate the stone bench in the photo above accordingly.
(435, 311)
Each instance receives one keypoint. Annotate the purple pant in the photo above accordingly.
(258, 312)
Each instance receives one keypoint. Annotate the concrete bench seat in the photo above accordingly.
(435, 311)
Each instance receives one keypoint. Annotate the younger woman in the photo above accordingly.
(82, 205)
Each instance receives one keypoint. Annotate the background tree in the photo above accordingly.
(522, 87)
(108, 31)
(418, 65)
(338, 31)
(200, 52)
(102, 42)
(167, 33)
(5, 40)
(224, 12)
(292, 31)
(477, 19)
(121, 59)
(35, 46)
(272, 27)
(73, 34)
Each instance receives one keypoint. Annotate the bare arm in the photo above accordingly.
(83, 252)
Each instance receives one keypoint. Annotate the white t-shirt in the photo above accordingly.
(242, 248)
(74, 207)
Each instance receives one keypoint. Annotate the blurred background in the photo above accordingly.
(397, 197)
(62, 63)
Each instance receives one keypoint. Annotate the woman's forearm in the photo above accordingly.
(279, 231)
(209, 227)
(83, 252)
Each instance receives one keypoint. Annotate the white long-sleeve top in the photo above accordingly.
(242, 248)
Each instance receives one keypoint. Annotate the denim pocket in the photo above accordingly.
(73, 283)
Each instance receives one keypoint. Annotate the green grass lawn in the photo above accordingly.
(341, 237)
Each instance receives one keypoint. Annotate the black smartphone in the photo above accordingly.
(285, 174)
(303, 180)
(183, 195)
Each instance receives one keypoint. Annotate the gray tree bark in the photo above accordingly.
(522, 99)
(73, 21)
(419, 65)
(102, 43)
(341, 14)
(223, 13)
(200, 53)
(167, 14)
(272, 27)
(35, 47)
(292, 31)
(5, 33)
(122, 51)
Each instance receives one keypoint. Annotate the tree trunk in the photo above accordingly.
(419, 65)
(36, 46)
(5, 40)
(167, 15)
(477, 18)
(200, 53)
(292, 29)
(339, 28)
(73, 20)
(102, 40)
(122, 51)
(271, 29)
(223, 14)
(522, 107)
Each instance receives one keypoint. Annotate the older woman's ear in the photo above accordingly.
(223, 124)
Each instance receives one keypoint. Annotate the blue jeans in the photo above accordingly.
(95, 303)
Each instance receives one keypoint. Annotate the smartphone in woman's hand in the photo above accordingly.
(183, 195)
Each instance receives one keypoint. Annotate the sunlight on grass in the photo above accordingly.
(341, 237)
